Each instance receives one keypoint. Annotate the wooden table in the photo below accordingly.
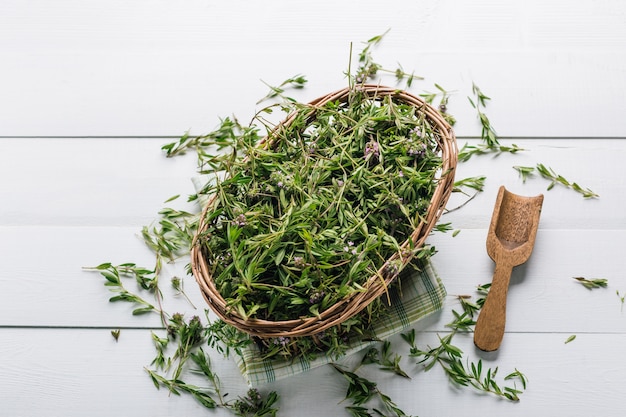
(90, 91)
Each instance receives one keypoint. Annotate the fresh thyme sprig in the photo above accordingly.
(524, 172)
(362, 390)
(146, 278)
(190, 334)
(465, 373)
(177, 284)
(451, 358)
(474, 183)
(491, 142)
(295, 82)
(388, 360)
(161, 361)
(548, 173)
(467, 150)
(172, 236)
(368, 68)
(479, 102)
(592, 283)
(253, 404)
(209, 147)
(177, 386)
(470, 307)
(443, 102)
(223, 338)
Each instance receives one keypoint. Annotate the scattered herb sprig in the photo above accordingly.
(253, 404)
(592, 283)
(490, 141)
(451, 358)
(296, 82)
(146, 279)
(548, 173)
(388, 360)
(368, 68)
(361, 390)
(177, 284)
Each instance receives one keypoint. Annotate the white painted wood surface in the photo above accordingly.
(89, 91)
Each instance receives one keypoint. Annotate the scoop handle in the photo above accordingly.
(489, 329)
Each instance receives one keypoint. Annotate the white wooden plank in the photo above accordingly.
(124, 182)
(86, 182)
(117, 69)
(85, 372)
(44, 283)
(594, 164)
(543, 296)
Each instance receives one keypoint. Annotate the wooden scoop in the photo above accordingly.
(509, 243)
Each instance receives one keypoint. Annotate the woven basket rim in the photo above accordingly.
(377, 284)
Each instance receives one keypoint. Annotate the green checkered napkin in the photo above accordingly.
(420, 294)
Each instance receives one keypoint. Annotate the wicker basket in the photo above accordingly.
(375, 286)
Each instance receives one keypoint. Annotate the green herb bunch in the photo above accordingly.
(296, 225)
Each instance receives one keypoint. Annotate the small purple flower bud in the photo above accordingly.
(417, 131)
(316, 297)
(282, 341)
(298, 261)
(418, 152)
(240, 220)
(372, 149)
(254, 395)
